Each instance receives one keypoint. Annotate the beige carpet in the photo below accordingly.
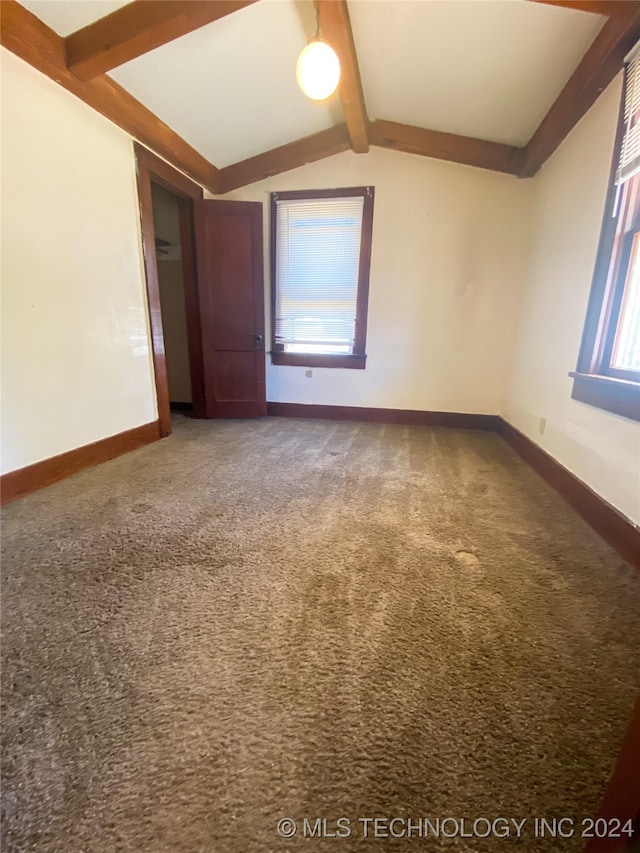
(267, 619)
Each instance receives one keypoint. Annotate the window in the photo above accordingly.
(608, 371)
(320, 257)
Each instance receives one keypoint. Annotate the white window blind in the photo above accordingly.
(317, 266)
(629, 164)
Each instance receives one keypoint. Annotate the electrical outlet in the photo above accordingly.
(542, 426)
(308, 373)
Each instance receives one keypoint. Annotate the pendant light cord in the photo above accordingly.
(317, 35)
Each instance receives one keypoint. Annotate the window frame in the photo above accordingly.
(595, 381)
(358, 358)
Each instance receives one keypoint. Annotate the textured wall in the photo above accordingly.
(449, 245)
(75, 343)
(602, 449)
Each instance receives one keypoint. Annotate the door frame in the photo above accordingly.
(621, 799)
(151, 169)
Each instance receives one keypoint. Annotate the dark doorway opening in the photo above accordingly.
(166, 220)
(156, 177)
(213, 294)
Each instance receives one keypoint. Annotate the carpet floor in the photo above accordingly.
(258, 620)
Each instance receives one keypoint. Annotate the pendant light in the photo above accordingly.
(318, 68)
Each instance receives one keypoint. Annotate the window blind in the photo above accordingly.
(629, 164)
(317, 267)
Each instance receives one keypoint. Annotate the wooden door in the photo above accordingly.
(231, 287)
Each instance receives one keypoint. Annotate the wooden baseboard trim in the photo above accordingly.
(613, 527)
(15, 484)
(402, 417)
(608, 523)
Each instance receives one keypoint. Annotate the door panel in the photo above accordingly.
(236, 376)
(231, 286)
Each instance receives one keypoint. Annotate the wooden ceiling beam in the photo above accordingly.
(446, 146)
(326, 143)
(30, 39)
(26, 36)
(335, 26)
(137, 28)
(600, 64)
(596, 7)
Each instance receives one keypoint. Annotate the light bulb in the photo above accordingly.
(318, 70)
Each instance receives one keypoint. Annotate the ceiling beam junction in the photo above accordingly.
(28, 37)
(137, 28)
(598, 67)
(335, 27)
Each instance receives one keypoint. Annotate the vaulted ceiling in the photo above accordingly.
(211, 85)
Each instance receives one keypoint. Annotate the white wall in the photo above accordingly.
(449, 244)
(76, 365)
(600, 448)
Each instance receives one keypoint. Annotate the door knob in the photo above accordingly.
(259, 339)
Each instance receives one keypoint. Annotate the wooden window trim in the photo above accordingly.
(301, 359)
(619, 396)
(358, 358)
(595, 382)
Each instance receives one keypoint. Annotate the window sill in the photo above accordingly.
(300, 359)
(620, 396)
